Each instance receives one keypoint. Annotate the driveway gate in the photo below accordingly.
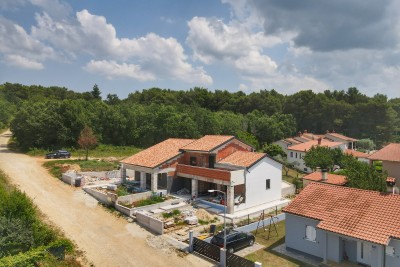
(233, 260)
(206, 249)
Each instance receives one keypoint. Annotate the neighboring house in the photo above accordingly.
(349, 143)
(345, 224)
(361, 156)
(335, 137)
(211, 162)
(324, 177)
(390, 157)
(297, 152)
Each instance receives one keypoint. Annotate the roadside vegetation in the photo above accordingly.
(55, 167)
(25, 239)
(267, 256)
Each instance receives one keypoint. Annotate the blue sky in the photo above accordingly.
(245, 45)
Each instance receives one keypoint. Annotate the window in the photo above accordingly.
(291, 154)
(193, 161)
(268, 184)
(296, 155)
(211, 161)
(389, 251)
(311, 233)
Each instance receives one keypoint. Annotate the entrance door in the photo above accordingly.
(363, 252)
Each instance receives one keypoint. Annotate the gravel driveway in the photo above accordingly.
(105, 239)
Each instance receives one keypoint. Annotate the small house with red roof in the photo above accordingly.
(339, 224)
(212, 162)
(324, 177)
(390, 157)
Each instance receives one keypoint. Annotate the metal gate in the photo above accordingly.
(206, 249)
(233, 260)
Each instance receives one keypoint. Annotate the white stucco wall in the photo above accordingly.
(297, 156)
(256, 192)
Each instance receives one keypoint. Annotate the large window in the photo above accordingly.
(268, 184)
(291, 154)
(311, 233)
(193, 161)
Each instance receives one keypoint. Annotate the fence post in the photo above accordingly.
(257, 264)
(190, 241)
(222, 257)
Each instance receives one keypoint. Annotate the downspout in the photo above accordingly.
(245, 183)
(384, 256)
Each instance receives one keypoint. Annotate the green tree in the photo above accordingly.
(273, 150)
(87, 140)
(364, 176)
(96, 94)
(365, 144)
(248, 138)
(319, 156)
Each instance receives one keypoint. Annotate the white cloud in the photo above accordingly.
(155, 56)
(23, 62)
(20, 49)
(112, 69)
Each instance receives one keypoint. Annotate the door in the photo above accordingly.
(363, 252)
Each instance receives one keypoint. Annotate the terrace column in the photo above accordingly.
(230, 196)
(154, 182)
(123, 173)
(195, 187)
(142, 180)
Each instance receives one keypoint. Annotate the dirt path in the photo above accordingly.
(105, 239)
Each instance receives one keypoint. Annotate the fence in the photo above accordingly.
(149, 222)
(215, 253)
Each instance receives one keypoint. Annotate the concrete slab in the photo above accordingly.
(155, 211)
(203, 206)
(213, 210)
(249, 250)
(170, 207)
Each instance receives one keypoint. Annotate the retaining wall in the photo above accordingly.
(135, 197)
(105, 198)
(149, 222)
(289, 190)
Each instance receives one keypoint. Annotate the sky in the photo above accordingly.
(248, 45)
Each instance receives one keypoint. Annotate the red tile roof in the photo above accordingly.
(331, 178)
(208, 142)
(362, 214)
(307, 145)
(391, 179)
(341, 136)
(355, 153)
(158, 154)
(390, 152)
(243, 158)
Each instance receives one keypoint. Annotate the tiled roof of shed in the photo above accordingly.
(355, 153)
(243, 158)
(208, 142)
(390, 152)
(158, 154)
(362, 214)
(331, 178)
(308, 145)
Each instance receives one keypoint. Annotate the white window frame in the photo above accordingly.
(311, 233)
(390, 251)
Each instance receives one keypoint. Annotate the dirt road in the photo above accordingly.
(105, 239)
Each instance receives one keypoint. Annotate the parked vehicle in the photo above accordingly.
(235, 240)
(58, 154)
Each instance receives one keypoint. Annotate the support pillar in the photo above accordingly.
(325, 249)
(154, 182)
(123, 174)
(190, 241)
(222, 257)
(195, 187)
(142, 180)
(230, 199)
(257, 264)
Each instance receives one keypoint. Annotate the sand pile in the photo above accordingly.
(70, 167)
(203, 215)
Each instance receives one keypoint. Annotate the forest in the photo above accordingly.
(53, 117)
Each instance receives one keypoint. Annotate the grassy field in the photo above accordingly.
(55, 166)
(267, 256)
(291, 175)
(101, 151)
(24, 235)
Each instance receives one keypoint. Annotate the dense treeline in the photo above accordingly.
(49, 117)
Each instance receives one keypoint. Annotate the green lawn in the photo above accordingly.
(267, 256)
(101, 151)
(54, 166)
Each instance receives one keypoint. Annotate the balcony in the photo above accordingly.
(221, 176)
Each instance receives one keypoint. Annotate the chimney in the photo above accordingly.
(324, 174)
(319, 141)
(299, 134)
(305, 131)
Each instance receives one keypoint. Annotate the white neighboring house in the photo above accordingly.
(335, 137)
(263, 177)
(296, 153)
(360, 156)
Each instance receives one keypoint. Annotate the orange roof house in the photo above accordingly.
(317, 176)
(210, 162)
(308, 145)
(390, 157)
(337, 218)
